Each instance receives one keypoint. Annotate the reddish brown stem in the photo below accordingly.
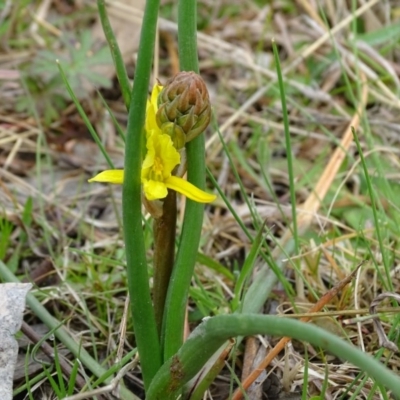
(164, 250)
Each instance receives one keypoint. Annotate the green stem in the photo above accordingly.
(181, 277)
(193, 218)
(187, 35)
(213, 332)
(62, 334)
(289, 153)
(374, 205)
(144, 322)
(164, 251)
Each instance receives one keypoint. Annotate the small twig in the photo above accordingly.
(342, 313)
(383, 340)
(122, 329)
(122, 336)
(48, 350)
(356, 305)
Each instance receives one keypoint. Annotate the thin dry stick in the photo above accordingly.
(109, 388)
(357, 306)
(342, 313)
(249, 356)
(305, 4)
(383, 340)
(122, 330)
(49, 351)
(325, 299)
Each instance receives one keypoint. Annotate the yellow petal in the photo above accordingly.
(150, 155)
(154, 190)
(151, 111)
(154, 95)
(165, 150)
(190, 191)
(151, 123)
(110, 176)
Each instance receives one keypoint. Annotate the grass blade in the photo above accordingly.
(120, 69)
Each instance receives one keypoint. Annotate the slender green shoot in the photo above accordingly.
(246, 270)
(144, 322)
(172, 335)
(289, 153)
(60, 393)
(30, 382)
(72, 378)
(119, 64)
(60, 377)
(371, 192)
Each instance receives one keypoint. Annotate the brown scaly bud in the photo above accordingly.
(184, 107)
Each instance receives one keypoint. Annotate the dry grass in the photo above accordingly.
(347, 76)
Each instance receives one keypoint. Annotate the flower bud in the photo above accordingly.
(184, 102)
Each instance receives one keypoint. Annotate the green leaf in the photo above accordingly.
(247, 268)
(213, 332)
(381, 36)
(79, 57)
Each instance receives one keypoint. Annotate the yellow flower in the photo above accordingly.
(157, 178)
(160, 160)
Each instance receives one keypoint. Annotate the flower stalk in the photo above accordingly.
(164, 231)
(173, 327)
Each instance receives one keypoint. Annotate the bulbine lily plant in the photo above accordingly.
(184, 115)
(165, 141)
